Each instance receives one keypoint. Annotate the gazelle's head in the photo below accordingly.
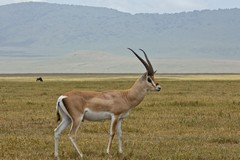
(148, 77)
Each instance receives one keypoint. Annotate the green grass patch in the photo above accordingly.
(188, 119)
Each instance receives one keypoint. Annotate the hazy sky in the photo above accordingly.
(146, 6)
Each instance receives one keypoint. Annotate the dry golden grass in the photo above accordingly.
(188, 119)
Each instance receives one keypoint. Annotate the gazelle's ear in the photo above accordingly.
(145, 75)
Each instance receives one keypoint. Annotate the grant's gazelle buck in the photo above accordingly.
(76, 106)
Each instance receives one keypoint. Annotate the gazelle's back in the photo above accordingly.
(109, 101)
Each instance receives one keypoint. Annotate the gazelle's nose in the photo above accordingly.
(158, 87)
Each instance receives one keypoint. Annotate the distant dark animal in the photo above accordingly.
(39, 79)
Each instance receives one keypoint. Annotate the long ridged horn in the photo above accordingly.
(147, 66)
(149, 63)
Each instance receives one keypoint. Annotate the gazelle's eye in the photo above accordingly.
(149, 80)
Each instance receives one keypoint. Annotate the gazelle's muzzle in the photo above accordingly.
(158, 87)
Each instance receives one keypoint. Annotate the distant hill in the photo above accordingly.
(43, 37)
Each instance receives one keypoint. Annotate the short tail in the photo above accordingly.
(58, 116)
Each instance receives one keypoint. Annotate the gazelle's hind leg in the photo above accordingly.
(73, 132)
(65, 122)
(114, 121)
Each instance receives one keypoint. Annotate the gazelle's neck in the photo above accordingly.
(137, 92)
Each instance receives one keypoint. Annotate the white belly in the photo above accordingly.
(96, 116)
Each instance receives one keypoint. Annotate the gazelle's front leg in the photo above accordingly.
(114, 121)
(119, 134)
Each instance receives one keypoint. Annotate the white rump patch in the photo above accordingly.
(61, 105)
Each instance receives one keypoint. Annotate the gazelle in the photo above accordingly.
(76, 106)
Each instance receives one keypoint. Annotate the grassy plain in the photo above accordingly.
(193, 117)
